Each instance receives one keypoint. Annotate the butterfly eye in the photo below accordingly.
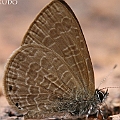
(101, 95)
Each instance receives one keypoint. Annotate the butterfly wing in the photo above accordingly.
(57, 28)
(51, 63)
(34, 76)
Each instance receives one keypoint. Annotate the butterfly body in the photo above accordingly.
(82, 106)
(51, 72)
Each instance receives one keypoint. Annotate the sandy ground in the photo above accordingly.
(100, 21)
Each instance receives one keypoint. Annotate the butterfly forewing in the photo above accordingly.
(57, 28)
(52, 64)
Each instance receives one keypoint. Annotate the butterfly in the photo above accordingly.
(51, 72)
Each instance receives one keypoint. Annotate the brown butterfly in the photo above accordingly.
(51, 72)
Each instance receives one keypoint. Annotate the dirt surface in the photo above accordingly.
(100, 22)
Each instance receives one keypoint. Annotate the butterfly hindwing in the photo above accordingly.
(37, 77)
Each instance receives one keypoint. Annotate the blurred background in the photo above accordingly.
(100, 22)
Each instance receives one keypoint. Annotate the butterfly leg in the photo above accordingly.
(89, 112)
(101, 113)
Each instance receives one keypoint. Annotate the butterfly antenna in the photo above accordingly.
(109, 87)
(107, 75)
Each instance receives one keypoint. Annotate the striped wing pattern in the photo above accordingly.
(52, 64)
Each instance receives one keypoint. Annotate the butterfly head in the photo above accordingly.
(101, 95)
